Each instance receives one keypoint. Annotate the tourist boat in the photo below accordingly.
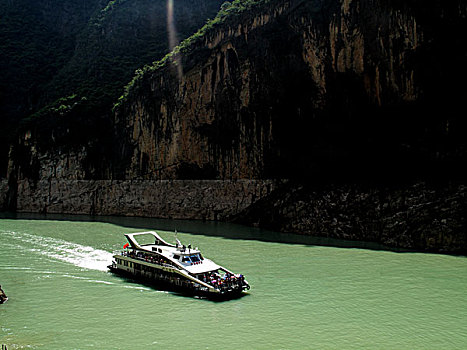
(176, 267)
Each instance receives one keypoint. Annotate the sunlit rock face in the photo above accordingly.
(296, 88)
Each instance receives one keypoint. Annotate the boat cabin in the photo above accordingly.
(189, 258)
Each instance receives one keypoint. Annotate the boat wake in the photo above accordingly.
(79, 255)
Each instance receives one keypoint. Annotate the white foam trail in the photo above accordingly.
(8, 267)
(138, 288)
(79, 255)
(88, 279)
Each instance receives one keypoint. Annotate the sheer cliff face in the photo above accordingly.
(65, 128)
(288, 88)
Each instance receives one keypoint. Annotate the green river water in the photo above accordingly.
(305, 293)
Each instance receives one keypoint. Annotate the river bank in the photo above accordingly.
(417, 216)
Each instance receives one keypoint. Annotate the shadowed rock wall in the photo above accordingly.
(427, 217)
(3, 195)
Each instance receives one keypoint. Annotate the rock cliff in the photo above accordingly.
(355, 101)
(300, 88)
(178, 199)
(424, 216)
(66, 61)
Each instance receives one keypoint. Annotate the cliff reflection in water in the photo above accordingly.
(226, 230)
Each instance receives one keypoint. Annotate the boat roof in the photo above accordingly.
(136, 245)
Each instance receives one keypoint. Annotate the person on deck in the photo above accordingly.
(3, 296)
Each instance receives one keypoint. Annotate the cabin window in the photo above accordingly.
(194, 258)
(186, 259)
(176, 257)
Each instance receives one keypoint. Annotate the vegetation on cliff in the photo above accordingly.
(228, 11)
(122, 37)
(37, 39)
(88, 50)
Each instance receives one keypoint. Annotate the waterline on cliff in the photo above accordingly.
(206, 228)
